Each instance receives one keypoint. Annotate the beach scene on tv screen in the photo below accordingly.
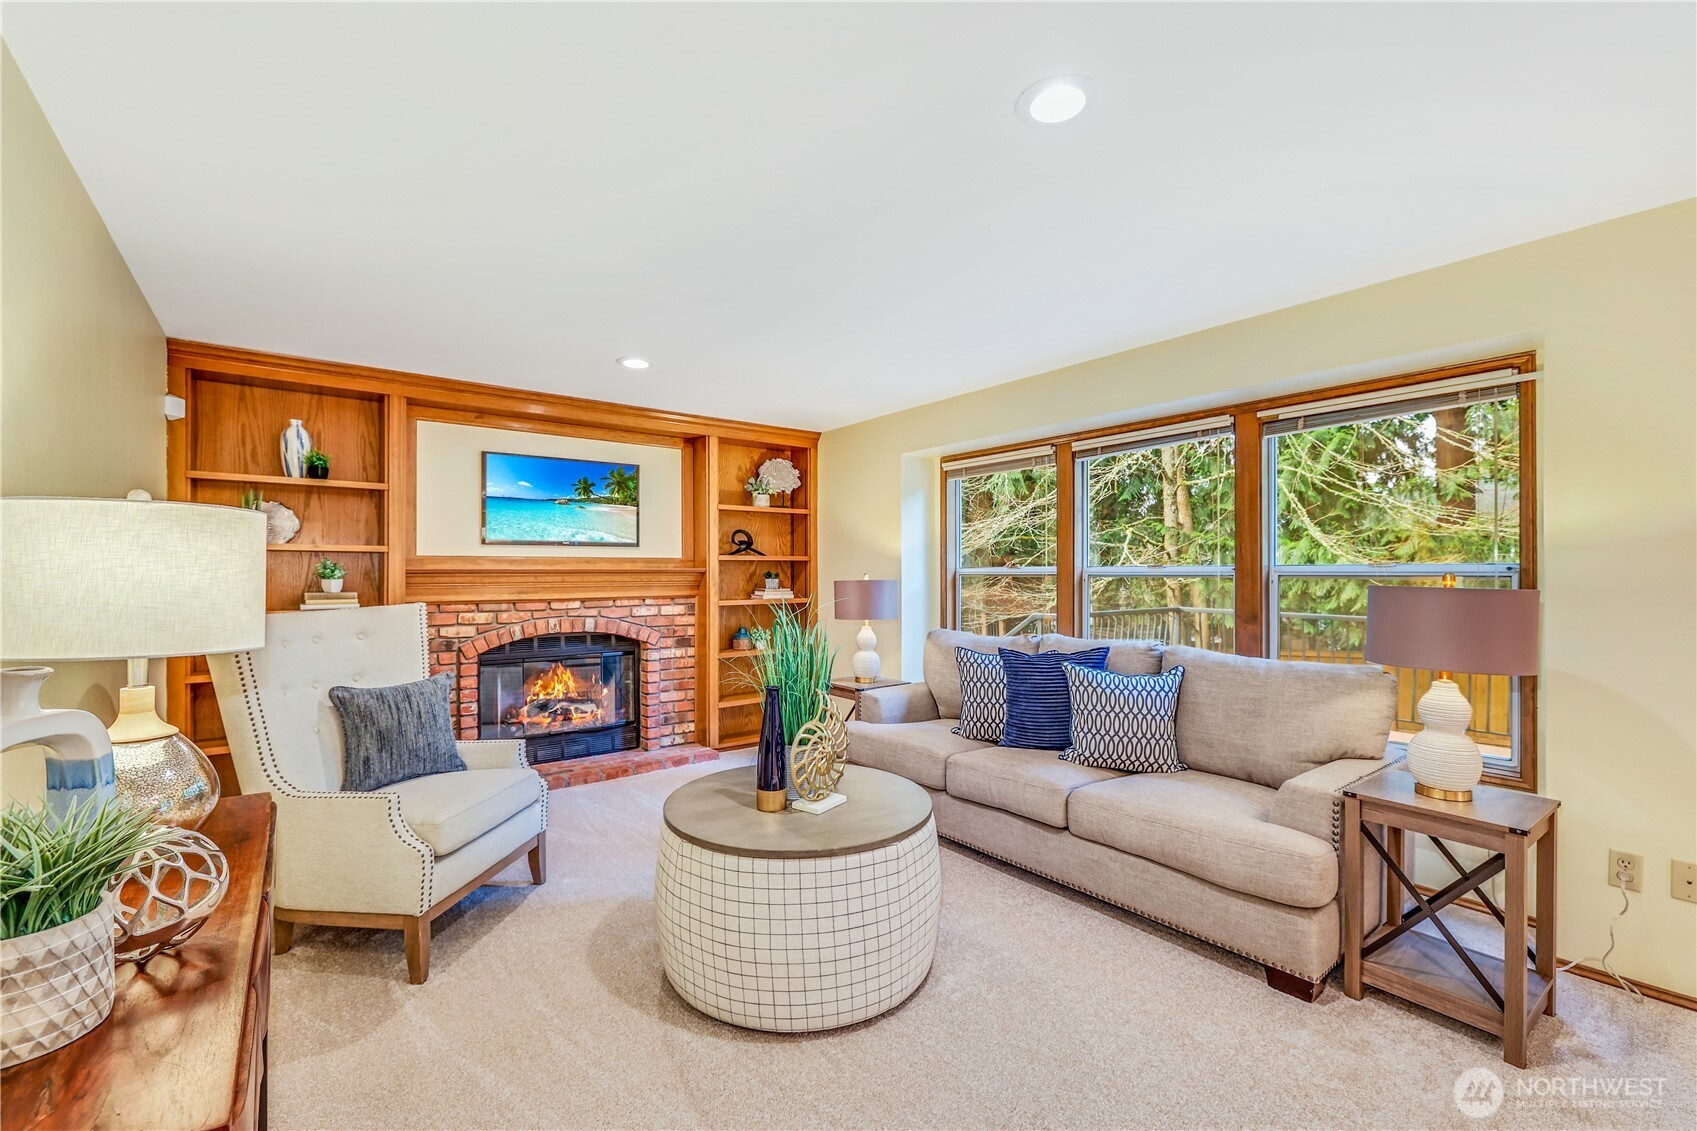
(562, 502)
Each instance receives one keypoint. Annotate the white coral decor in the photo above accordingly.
(780, 475)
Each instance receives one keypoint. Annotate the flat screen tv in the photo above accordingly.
(545, 501)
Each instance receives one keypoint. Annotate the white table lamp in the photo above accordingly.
(123, 579)
(866, 601)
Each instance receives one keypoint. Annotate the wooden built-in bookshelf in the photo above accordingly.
(787, 535)
(365, 420)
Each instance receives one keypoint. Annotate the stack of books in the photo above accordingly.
(773, 594)
(312, 601)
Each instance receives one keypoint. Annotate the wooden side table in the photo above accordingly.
(1436, 970)
(186, 1044)
(849, 689)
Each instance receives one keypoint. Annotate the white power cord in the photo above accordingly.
(1625, 905)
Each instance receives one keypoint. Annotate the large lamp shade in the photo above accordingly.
(1480, 631)
(868, 600)
(116, 579)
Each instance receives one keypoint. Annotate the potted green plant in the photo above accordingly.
(317, 464)
(797, 660)
(329, 575)
(771, 579)
(759, 491)
(57, 915)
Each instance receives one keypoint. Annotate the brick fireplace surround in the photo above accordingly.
(460, 632)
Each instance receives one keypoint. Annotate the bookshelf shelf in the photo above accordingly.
(745, 508)
(284, 481)
(320, 548)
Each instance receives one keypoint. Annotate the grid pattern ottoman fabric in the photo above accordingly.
(796, 945)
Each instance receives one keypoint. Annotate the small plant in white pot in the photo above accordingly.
(329, 575)
(57, 916)
(758, 491)
(771, 579)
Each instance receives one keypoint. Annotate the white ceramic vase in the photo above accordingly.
(331, 584)
(762, 500)
(295, 444)
(55, 985)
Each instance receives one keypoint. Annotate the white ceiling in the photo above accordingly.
(814, 214)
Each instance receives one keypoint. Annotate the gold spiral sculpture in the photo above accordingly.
(819, 753)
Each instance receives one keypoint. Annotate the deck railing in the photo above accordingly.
(1317, 637)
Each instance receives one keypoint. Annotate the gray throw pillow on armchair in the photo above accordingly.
(390, 734)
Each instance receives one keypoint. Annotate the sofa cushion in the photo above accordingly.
(1128, 657)
(1211, 827)
(1124, 722)
(1266, 721)
(449, 811)
(942, 673)
(916, 751)
(983, 696)
(1031, 783)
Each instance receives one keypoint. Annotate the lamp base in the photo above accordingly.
(1443, 794)
(866, 662)
(1446, 764)
(170, 778)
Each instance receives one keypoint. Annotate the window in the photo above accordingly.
(1002, 549)
(1396, 494)
(1157, 521)
(1259, 529)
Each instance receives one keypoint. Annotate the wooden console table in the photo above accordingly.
(1500, 996)
(185, 1047)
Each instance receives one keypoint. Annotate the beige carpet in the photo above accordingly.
(546, 1007)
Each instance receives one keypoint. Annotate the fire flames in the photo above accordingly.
(556, 699)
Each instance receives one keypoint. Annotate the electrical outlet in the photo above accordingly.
(1632, 866)
(1684, 881)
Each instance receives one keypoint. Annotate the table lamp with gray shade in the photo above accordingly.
(124, 579)
(866, 601)
(1445, 629)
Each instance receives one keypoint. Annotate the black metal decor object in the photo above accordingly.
(770, 780)
(742, 542)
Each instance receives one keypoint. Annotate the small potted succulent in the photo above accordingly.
(761, 638)
(329, 575)
(759, 491)
(772, 579)
(317, 464)
(57, 915)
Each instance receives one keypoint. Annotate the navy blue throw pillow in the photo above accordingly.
(1039, 703)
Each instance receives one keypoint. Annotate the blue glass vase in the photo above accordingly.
(771, 770)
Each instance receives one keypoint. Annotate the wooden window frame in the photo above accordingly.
(1252, 591)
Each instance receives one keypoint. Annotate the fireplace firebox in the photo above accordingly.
(567, 696)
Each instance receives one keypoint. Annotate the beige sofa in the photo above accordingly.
(1241, 849)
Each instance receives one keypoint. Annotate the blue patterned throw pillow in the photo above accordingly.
(1039, 705)
(983, 696)
(1124, 722)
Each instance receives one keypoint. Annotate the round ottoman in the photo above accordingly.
(792, 922)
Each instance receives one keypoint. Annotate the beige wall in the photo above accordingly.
(1610, 310)
(82, 358)
(450, 476)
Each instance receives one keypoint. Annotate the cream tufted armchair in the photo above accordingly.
(396, 857)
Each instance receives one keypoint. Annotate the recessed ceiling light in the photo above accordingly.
(633, 362)
(1056, 100)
